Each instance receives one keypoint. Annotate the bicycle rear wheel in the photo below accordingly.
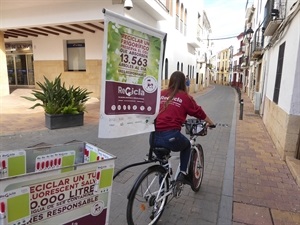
(146, 200)
(196, 169)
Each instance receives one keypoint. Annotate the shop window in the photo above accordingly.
(76, 55)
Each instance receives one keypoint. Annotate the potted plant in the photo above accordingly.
(64, 107)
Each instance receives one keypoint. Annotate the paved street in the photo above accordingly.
(245, 181)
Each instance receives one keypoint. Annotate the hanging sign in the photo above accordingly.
(131, 77)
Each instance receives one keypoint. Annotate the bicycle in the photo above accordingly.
(149, 194)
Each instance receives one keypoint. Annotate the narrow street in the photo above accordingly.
(245, 182)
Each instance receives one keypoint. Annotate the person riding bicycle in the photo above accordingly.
(175, 105)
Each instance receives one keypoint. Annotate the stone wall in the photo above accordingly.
(282, 127)
(89, 79)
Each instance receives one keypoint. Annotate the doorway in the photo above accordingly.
(20, 69)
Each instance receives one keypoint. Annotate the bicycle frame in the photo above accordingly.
(168, 166)
(170, 173)
(151, 190)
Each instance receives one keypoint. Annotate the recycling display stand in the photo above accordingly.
(67, 184)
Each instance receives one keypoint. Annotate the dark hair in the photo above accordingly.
(176, 84)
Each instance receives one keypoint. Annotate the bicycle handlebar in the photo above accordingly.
(196, 127)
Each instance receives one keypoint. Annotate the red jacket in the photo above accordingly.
(177, 110)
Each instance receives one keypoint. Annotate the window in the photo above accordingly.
(170, 6)
(181, 18)
(76, 55)
(199, 29)
(177, 15)
(193, 70)
(185, 22)
(278, 73)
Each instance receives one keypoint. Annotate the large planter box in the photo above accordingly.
(63, 120)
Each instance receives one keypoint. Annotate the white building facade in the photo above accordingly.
(274, 72)
(35, 37)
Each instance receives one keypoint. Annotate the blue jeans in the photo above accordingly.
(176, 142)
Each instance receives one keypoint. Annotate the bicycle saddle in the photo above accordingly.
(161, 150)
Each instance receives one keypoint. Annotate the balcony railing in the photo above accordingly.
(237, 68)
(257, 45)
(275, 9)
(240, 50)
(275, 13)
(244, 62)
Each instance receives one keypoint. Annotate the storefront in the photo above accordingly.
(19, 58)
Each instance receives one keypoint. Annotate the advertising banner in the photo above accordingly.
(69, 187)
(131, 77)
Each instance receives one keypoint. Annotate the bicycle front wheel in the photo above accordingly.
(147, 199)
(196, 169)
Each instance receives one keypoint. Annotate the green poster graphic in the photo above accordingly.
(131, 54)
(16, 165)
(20, 207)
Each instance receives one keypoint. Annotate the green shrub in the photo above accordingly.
(57, 99)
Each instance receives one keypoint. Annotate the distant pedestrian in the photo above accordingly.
(187, 83)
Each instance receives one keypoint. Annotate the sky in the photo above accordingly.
(227, 19)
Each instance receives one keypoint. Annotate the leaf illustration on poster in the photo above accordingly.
(132, 62)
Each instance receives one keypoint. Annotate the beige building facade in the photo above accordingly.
(274, 69)
(223, 67)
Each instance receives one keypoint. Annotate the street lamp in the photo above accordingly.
(249, 34)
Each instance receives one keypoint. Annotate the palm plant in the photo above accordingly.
(55, 98)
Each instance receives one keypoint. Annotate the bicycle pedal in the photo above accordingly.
(178, 187)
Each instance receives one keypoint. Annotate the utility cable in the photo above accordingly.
(222, 38)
